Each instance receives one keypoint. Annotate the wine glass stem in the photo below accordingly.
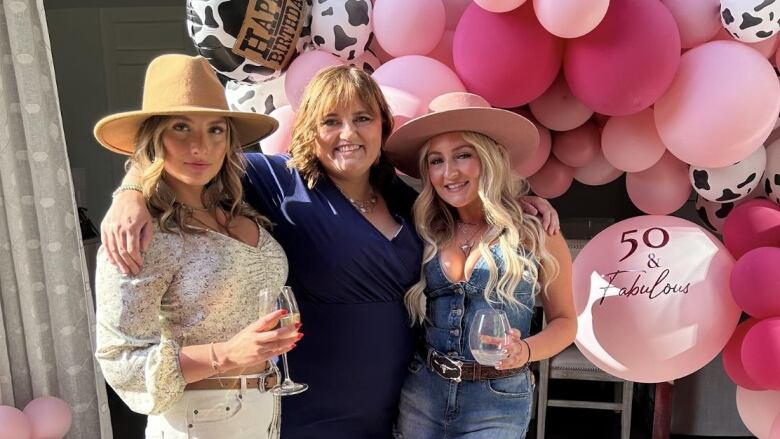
(287, 379)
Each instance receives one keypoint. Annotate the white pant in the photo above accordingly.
(208, 414)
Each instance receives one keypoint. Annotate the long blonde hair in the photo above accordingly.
(519, 237)
(224, 190)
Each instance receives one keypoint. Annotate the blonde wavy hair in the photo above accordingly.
(224, 190)
(333, 88)
(520, 237)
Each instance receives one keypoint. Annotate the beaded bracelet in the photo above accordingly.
(127, 187)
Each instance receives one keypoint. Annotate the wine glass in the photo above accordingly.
(286, 300)
(488, 336)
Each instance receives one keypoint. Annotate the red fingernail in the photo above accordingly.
(299, 336)
(298, 325)
(293, 345)
(284, 312)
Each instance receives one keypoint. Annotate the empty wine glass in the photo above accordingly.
(286, 300)
(488, 336)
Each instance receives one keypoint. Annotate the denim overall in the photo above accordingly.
(435, 407)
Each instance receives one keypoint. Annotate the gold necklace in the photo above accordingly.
(468, 244)
(364, 206)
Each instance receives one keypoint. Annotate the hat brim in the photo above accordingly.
(118, 132)
(516, 133)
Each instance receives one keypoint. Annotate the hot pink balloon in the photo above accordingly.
(761, 353)
(302, 69)
(661, 189)
(454, 10)
(570, 18)
(766, 48)
(722, 104)
(698, 21)
(14, 423)
(631, 143)
(499, 6)
(577, 147)
(50, 417)
(420, 76)
(513, 63)
(625, 64)
(652, 298)
(755, 284)
(758, 409)
(597, 172)
(732, 357)
(403, 105)
(553, 180)
(539, 157)
(408, 27)
(558, 109)
(753, 224)
(279, 141)
(443, 51)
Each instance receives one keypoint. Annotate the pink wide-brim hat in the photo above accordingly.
(460, 111)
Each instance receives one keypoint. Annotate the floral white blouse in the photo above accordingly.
(192, 289)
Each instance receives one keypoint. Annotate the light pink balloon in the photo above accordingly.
(698, 21)
(652, 298)
(540, 156)
(421, 76)
(14, 423)
(767, 48)
(279, 141)
(732, 357)
(499, 6)
(553, 180)
(722, 104)
(632, 143)
(774, 433)
(443, 51)
(761, 353)
(380, 53)
(403, 105)
(570, 18)
(302, 69)
(453, 10)
(577, 147)
(758, 409)
(661, 189)
(408, 27)
(558, 109)
(597, 172)
(50, 417)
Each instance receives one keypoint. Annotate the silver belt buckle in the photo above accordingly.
(264, 376)
(447, 367)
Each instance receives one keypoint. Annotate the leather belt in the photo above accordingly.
(264, 382)
(459, 370)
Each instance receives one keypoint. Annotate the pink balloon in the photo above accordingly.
(661, 189)
(722, 104)
(513, 63)
(753, 224)
(652, 298)
(755, 284)
(774, 432)
(597, 172)
(403, 105)
(302, 69)
(443, 51)
(499, 6)
(577, 147)
(625, 64)
(14, 423)
(761, 353)
(539, 157)
(698, 21)
(279, 142)
(380, 53)
(50, 417)
(553, 180)
(732, 357)
(570, 18)
(558, 109)
(453, 10)
(420, 76)
(758, 409)
(631, 143)
(408, 27)
(766, 48)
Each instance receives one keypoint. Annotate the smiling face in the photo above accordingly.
(454, 169)
(194, 149)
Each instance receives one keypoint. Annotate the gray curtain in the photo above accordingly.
(46, 311)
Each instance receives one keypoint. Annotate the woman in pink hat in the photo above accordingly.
(485, 263)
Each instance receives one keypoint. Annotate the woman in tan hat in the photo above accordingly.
(484, 263)
(181, 340)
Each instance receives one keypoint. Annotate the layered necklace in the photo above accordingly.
(467, 231)
(364, 206)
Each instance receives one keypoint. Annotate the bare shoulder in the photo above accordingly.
(558, 248)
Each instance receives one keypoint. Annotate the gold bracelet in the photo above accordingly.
(127, 187)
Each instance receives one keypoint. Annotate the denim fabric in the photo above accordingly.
(434, 407)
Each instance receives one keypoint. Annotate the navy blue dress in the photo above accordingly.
(349, 280)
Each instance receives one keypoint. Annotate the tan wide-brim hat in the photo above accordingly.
(180, 85)
(460, 111)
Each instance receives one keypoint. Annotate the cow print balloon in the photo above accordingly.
(342, 27)
(771, 183)
(713, 215)
(304, 40)
(367, 62)
(750, 20)
(729, 183)
(256, 98)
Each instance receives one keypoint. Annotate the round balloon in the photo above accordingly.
(279, 141)
(712, 214)
(597, 172)
(553, 180)
(14, 423)
(772, 173)
(404, 105)
(499, 6)
(367, 62)
(342, 28)
(256, 98)
(631, 143)
(443, 50)
(254, 55)
(755, 283)
(302, 70)
(730, 183)
(570, 18)
(50, 417)
(652, 298)
(558, 109)
(722, 104)
(758, 409)
(534, 163)
(698, 21)
(577, 147)
(625, 64)
(420, 76)
(766, 48)
(761, 353)
(661, 189)
(752, 224)
(774, 432)
(732, 357)
(750, 20)
(408, 27)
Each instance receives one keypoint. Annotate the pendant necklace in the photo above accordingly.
(468, 243)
